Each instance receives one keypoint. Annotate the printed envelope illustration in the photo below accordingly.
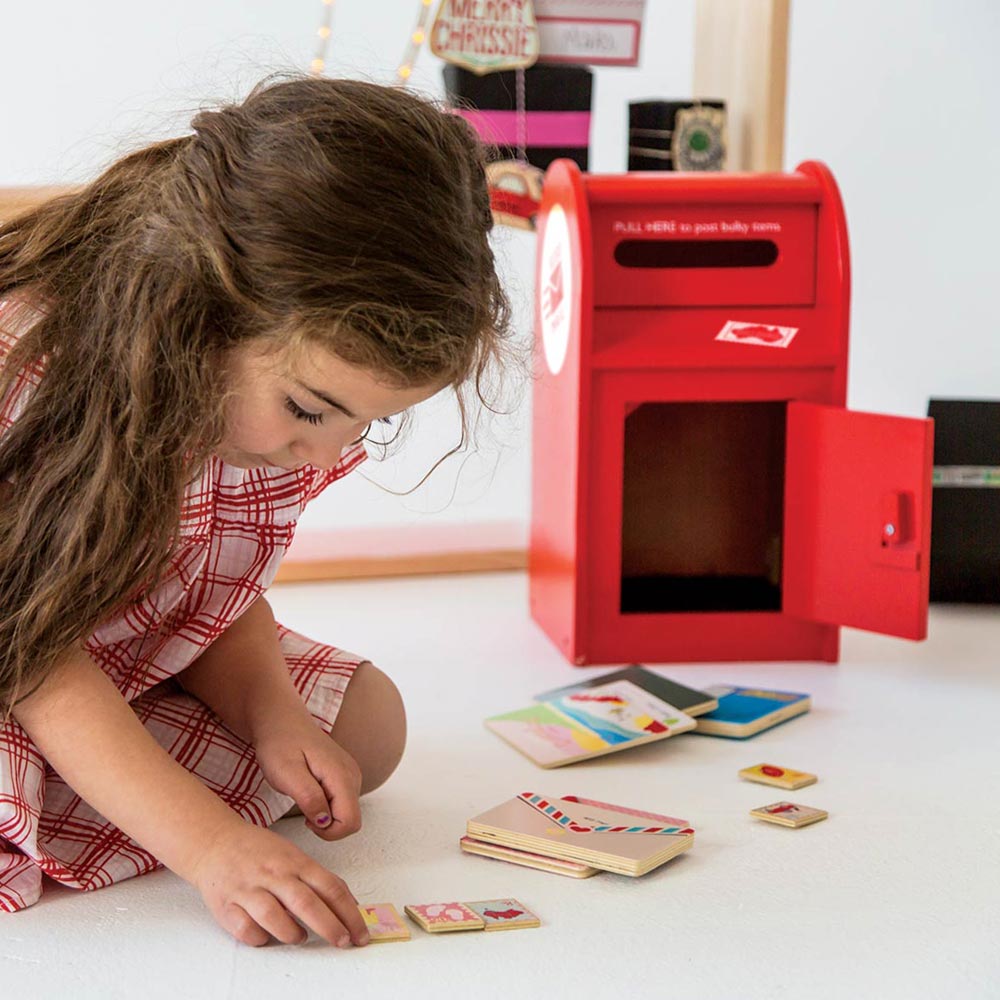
(580, 724)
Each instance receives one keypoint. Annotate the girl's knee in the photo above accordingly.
(371, 724)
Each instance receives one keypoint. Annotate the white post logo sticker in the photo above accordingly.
(761, 334)
(556, 306)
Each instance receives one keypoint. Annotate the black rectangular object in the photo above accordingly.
(965, 527)
(651, 129)
(546, 88)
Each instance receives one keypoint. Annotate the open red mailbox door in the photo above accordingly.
(699, 490)
(858, 519)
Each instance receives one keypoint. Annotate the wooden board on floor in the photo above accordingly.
(14, 200)
(405, 550)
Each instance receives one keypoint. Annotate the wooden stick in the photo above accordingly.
(741, 56)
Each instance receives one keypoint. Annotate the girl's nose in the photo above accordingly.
(322, 456)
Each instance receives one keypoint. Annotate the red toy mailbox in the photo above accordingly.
(700, 491)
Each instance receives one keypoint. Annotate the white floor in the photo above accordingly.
(896, 895)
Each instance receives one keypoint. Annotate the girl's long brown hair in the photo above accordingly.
(348, 214)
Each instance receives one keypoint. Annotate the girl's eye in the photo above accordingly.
(300, 414)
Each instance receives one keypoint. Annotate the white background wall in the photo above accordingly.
(899, 97)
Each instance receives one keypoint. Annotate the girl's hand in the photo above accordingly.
(300, 760)
(258, 885)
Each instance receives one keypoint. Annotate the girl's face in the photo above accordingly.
(289, 413)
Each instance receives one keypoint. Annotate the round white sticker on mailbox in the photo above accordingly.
(556, 304)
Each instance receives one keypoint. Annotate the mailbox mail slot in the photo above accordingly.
(699, 490)
(707, 254)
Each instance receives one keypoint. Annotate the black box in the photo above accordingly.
(965, 527)
(677, 135)
(548, 91)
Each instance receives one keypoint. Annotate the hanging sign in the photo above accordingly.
(486, 35)
(594, 32)
(515, 192)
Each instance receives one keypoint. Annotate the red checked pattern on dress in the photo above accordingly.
(236, 526)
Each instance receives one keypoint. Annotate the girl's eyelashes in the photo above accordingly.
(300, 414)
(317, 418)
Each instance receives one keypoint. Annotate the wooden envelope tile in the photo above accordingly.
(437, 918)
(780, 777)
(504, 914)
(789, 814)
(384, 922)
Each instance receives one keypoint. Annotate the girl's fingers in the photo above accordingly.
(335, 830)
(330, 922)
(334, 895)
(242, 926)
(346, 810)
(273, 918)
(311, 798)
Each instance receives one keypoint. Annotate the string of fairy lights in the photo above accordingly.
(416, 40)
(318, 64)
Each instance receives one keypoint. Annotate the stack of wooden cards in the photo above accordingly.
(527, 859)
(601, 716)
(744, 712)
(594, 834)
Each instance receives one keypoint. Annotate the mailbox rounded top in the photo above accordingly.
(804, 185)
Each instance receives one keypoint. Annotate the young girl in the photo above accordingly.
(192, 347)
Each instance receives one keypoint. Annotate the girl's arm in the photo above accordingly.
(243, 678)
(253, 881)
(85, 729)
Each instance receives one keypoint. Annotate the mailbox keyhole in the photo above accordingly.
(696, 253)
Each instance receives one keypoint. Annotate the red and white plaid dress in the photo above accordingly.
(236, 526)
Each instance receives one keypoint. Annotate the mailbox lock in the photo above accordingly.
(895, 518)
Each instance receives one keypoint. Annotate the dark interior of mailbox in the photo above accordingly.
(703, 499)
